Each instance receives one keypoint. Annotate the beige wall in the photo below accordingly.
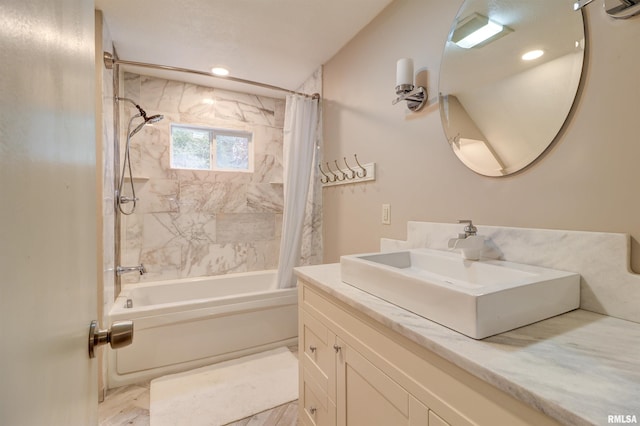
(587, 181)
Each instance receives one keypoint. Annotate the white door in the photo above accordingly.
(47, 213)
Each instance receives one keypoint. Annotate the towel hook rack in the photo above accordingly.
(344, 175)
(337, 178)
(326, 178)
(353, 172)
(364, 171)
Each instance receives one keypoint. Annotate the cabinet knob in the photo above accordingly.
(312, 348)
(337, 348)
(313, 410)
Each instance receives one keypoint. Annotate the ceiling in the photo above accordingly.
(277, 42)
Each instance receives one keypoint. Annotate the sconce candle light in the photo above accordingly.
(416, 97)
(618, 9)
(580, 4)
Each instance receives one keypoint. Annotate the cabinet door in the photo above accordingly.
(368, 397)
(435, 420)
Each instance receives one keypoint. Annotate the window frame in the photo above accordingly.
(213, 146)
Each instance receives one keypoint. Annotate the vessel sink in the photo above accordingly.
(476, 298)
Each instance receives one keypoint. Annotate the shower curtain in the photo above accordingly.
(300, 132)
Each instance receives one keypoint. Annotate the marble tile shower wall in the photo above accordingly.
(194, 223)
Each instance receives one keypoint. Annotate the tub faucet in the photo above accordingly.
(469, 243)
(124, 269)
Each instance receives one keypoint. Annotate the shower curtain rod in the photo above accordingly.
(110, 61)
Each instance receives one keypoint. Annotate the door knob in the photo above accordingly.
(119, 335)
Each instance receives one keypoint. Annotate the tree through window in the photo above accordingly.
(201, 148)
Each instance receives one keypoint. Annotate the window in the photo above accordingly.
(202, 148)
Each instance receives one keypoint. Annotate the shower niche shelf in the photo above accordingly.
(137, 179)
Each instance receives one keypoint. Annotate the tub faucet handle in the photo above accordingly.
(124, 269)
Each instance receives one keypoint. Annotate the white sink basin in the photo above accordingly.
(476, 298)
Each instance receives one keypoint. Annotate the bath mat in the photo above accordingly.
(225, 392)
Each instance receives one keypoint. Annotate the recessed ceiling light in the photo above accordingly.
(220, 71)
(532, 54)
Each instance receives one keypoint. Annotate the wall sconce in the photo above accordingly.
(580, 4)
(622, 9)
(416, 97)
(618, 9)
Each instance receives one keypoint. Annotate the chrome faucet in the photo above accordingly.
(124, 269)
(469, 230)
(469, 243)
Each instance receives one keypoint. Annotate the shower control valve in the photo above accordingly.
(125, 199)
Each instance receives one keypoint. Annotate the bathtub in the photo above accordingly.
(188, 323)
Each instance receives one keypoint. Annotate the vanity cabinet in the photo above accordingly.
(354, 371)
(334, 374)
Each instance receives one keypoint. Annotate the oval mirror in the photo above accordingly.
(509, 75)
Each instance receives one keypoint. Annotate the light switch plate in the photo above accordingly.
(386, 214)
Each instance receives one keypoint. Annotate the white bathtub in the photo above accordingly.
(188, 323)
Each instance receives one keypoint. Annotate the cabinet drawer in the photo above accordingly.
(315, 407)
(319, 353)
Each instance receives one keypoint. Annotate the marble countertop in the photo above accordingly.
(578, 368)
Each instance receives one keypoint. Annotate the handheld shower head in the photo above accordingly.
(147, 120)
(127, 161)
(143, 114)
(154, 118)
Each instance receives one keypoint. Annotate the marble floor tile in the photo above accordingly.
(283, 415)
(127, 405)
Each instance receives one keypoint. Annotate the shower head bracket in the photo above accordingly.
(141, 111)
(108, 60)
